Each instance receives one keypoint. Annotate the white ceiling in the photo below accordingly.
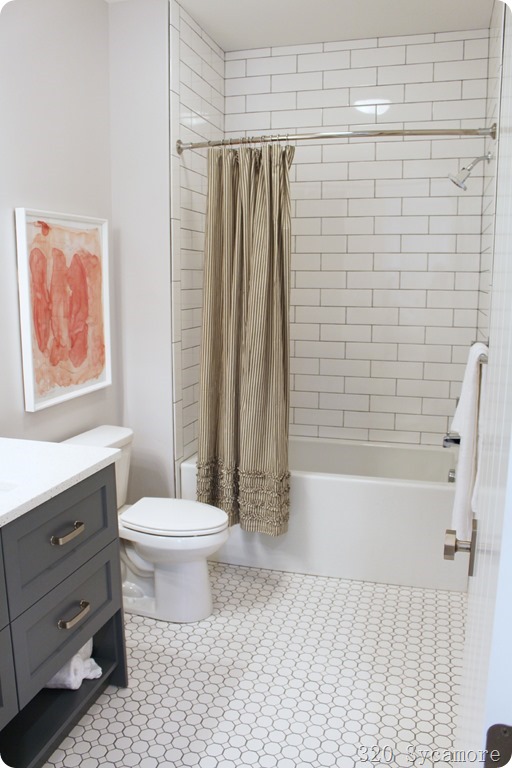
(240, 24)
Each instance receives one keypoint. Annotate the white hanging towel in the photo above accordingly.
(475, 499)
(465, 423)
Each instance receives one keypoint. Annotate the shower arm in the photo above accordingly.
(477, 160)
(489, 132)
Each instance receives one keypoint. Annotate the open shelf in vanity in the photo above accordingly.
(31, 737)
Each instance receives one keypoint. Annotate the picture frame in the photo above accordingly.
(63, 288)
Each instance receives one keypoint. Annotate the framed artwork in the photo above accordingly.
(64, 306)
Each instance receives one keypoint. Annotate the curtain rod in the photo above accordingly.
(180, 146)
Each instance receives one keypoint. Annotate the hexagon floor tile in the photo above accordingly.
(291, 671)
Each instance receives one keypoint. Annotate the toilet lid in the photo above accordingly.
(174, 517)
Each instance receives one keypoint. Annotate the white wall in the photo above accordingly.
(54, 156)
(139, 92)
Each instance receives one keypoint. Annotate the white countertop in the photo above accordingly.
(33, 471)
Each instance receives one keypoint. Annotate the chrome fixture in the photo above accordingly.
(451, 476)
(490, 132)
(451, 438)
(452, 545)
(482, 358)
(463, 174)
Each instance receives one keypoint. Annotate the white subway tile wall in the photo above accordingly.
(381, 282)
(489, 188)
(387, 283)
(386, 251)
(197, 113)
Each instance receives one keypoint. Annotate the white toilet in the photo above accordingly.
(164, 543)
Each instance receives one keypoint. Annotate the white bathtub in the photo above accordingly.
(363, 511)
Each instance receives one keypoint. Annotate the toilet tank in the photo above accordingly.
(108, 436)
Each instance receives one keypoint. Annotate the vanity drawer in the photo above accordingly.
(42, 549)
(86, 600)
(8, 698)
(4, 613)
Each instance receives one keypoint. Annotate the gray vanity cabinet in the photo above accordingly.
(62, 586)
(8, 698)
(4, 613)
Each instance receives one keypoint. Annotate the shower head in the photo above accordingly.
(460, 178)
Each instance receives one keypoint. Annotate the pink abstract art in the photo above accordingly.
(63, 273)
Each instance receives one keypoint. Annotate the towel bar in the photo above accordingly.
(483, 357)
(452, 545)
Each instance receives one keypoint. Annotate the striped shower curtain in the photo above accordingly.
(244, 382)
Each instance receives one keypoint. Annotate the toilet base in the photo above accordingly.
(182, 594)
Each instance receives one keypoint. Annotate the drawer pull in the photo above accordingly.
(85, 607)
(59, 541)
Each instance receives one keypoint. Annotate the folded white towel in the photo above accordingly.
(91, 669)
(69, 676)
(465, 423)
(85, 651)
(74, 672)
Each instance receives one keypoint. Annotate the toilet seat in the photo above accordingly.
(174, 517)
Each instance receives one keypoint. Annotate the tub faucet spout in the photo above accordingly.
(451, 438)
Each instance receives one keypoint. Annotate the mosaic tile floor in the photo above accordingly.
(291, 671)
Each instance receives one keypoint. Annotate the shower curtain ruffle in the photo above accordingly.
(264, 498)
